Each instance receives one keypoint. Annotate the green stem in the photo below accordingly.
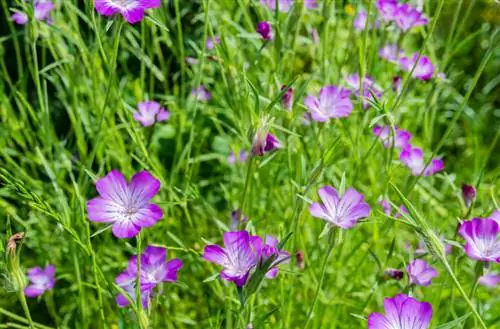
(26, 310)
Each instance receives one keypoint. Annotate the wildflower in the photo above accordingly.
(283, 5)
(242, 157)
(41, 11)
(397, 84)
(126, 205)
(267, 250)
(398, 139)
(150, 112)
(360, 20)
(299, 259)
(482, 239)
(264, 143)
(401, 211)
(407, 17)
(333, 102)
(131, 10)
(468, 194)
(391, 53)
(413, 157)
(385, 205)
(496, 216)
(201, 94)
(311, 4)
(127, 282)
(370, 88)
(287, 98)
(420, 273)
(211, 42)
(387, 9)
(41, 280)
(265, 30)
(237, 258)
(342, 211)
(490, 280)
(402, 312)
(424, 69)
(394, 274)
(237, 218)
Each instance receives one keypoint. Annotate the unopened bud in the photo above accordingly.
(394, 273)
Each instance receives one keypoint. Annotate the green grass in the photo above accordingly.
(67, 94)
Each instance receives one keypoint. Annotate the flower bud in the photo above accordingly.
(468, 194)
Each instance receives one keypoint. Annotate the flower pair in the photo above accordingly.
(424, 69)
(404, 15)
(41, 12)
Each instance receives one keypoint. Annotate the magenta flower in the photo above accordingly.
(424, 69)
(242, 157)
(211, 42)
(201, 94)
(333, 102)
(385, 205)
(41, 11)
(126, 205)
(267, 250)
(127, 282)
(311, 4)
(150, 112)
(397, 84)
(394, 274)
(369, 88)
(421, 273)
(468, 194)
(482, 239)
(41, 280)
(342, 211)
(496, 216)
(265, 30)
(402, 312)
(264, 143)
(283, 5)
(237, 258)
(287, 98)
(400, 139)
(131, 10)
(401, 211)
(359, 22)
(408, 17)
(413, 158)
(387, 9)
(490, 280)
(391, 53)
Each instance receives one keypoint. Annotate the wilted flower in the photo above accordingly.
(283, 5)
(201, 94)
(399, 139)
(287, 98)
(421, 273)
(267, 249)
(242, 157)
(402, 312)
(394, 273)
(490, 280)
(150, 112)
(424, 69)
(211, 42)
(131, 10)
(41, 12)
(265, 30)
(342, 211)
(41, 280)
(408, 17)
(237, 218)
(126, 205)
(482, 239)
(413, 157)
(264, 143)
(333, 102)
(299, 258)
(468, 194)
(127, 282)
(391, 52)
(387, 9)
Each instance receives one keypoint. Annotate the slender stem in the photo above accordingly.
(26, 310)
(138, 299)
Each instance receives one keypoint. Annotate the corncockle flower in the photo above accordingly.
(131, 10)
(211, 42)
(265, 30)
(359, 22)
(401, 211)
(242, 157)
(126, 205)
(408, 17)
(397, 84)
(424, 69)
(482, 239)
(237, 258)
(400, 139)
(41, 280)
(387, 9)
(150, 112)
(154, 267)
(311, 4)
(391, 53)
(287, 98)
(267, 249)
(394, 274)
(333, 102)
(468, 194)
(283, 5)
(413, 157)
(490, 280)
(496, 216)
(342, 211)
(402, 312)
(201, 94)
(41, 12)
(385, 205)
(127, 282)
(237, 218)
(421, 273)
(370, 88)
(264, 143)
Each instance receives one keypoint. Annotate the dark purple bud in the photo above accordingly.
(287, 99)
(469, 194)
(237, 218)
(265, 30)
(394, 273)
(264, 143)
(299, 257)
(397, 82)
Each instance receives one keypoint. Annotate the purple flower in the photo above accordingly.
(400, 139)
(237, 257)
(264, 143)
(424, 69)
(387, 9)
(496, 216)
(468, 194)
(283, 5)
(311, 4)
(265, 30)
(333, 102)
(267, 250)
(401, 211)
(390, 52)
(408, 17)
(237, 218)
(421, 273)
(360, 20)
(482, 239)
(490, 280)
(394, 274)
(127, 282)
(342, 211)
(287, 98)
(369, 88)
(397, 84)
(41, 280)
(385, 205)
(243, 156)
(211, 42)
(201, 94)
(402, 312)
(413, 158)
(150, 112)
(126, 205)
(41, 10)
(131, 10)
